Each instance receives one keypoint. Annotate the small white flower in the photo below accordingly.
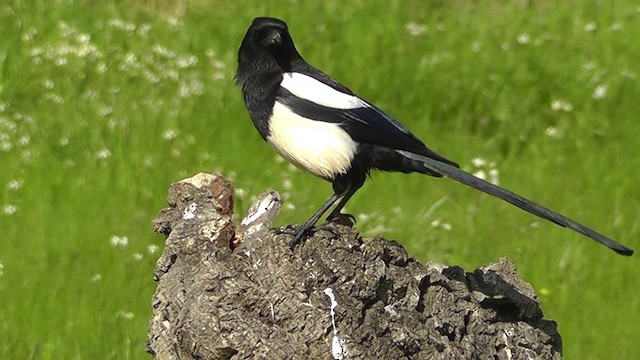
(105, 110)
(125, 315)
(122, 25)
(287, 184)
(83, 38)
(616, 26)
(600, 92)
(240, 192)
(494, 176)
(95, 278)
(151, 249)
(218, 75)
(561, 105)
(1, 268)
(481, 174)
(55, 98)
(363, 218)
(415, 29)
(143, 30)
(131, 60)
(191, 87)
(121, 241)
(103, 154)
(24, 140)
(553, 132)
(185, 61)
(170, 134)
(14, 184)
(101, 68)
(163, 51)
(29, 34)
(173, 21)
(60, 61)
(137, 256)
(478, 162)
(217, 64)
(523, 38)
(589, 27)
(48, 84)
(9, 209)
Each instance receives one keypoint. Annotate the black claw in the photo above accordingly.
(329, 228)
(342, 219)
(299, 235)
(297, 231)
(288, 229)
(302, 232)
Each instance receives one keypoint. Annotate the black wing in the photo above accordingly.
(368, 124)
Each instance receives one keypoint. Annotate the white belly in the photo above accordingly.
(322, 148)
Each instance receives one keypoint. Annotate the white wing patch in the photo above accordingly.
(308, 88)
(324, 149)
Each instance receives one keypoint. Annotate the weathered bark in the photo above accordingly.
(336, 295)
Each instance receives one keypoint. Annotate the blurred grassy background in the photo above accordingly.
(103, 105)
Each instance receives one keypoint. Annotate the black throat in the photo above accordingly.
(259, 83)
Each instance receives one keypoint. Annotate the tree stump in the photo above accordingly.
(227, 291)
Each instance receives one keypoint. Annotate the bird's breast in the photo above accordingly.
(322, 148)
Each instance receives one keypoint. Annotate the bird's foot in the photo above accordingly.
(341, 219)
(288, 229)
(300, 232)
(327, 227)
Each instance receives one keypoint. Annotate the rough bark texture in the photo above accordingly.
(336, 296)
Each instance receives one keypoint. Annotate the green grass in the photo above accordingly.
(102, 106)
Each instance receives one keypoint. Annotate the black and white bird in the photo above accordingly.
(322, 127)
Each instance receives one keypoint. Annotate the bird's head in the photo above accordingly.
(267, 43)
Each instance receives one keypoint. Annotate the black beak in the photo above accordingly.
(274, 38)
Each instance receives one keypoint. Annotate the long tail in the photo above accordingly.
(515, 199)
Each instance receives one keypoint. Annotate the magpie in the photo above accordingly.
(322, 127)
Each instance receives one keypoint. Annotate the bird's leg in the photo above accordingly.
(314, 219)
(335, 214)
